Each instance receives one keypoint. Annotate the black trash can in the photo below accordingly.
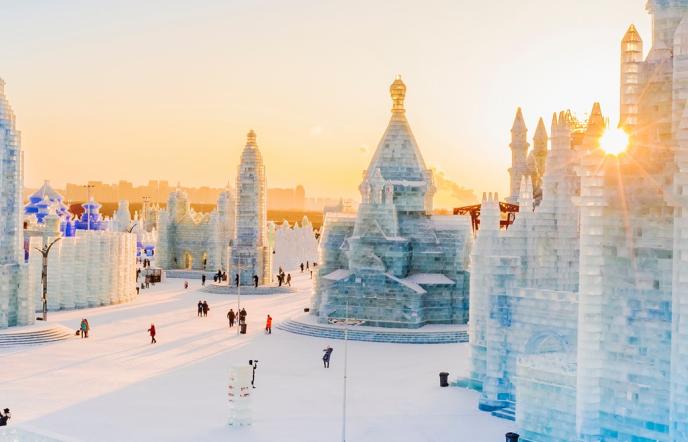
(243, 329)
(511, 437)
(444, 376)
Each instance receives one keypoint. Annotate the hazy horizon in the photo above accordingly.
(168, 91)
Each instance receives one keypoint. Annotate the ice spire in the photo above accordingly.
(519, 124)
(540, 138)
(631, 58)
(596, 124)
(519, 150)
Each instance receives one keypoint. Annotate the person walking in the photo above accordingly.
(268, 325)
(289, 279)
(203, 279)
(206, 307)
(231, 316)
(200, 308)
(151, 330)
(242, 316)
(279, 280)
(82, 328)
(186, 285)
(326, 357)
(236, 280)
(301, 267)
(88, 327)
(255, 281)
(4, 417)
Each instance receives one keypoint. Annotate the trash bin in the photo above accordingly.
(511, 437)
(243, 329)
(444, 376)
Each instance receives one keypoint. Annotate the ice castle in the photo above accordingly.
(579, 326)
(251, 251)
(394, 264)
(191, 240)
(16, 307)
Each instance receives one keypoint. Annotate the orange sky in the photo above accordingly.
(168, 89)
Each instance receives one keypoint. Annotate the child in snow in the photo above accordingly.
(151, 330)
(326, 357)
(268, 325)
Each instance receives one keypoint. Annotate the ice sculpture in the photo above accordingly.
(16, 308)
(578, 310)
(394, 264)
(250, 251)
(91, 269)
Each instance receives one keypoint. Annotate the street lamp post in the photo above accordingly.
(347, 323)
(44, 274)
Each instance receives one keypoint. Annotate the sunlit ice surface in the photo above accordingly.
(614, 141)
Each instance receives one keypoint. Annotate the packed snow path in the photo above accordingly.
(116, 386)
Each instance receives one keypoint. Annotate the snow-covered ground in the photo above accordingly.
(116, 386)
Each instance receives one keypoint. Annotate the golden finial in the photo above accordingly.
(251, 138)
(398, 91)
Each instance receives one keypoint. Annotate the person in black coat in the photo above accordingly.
(255, 281)
(4, 417)
(205, 307)
(326, 357)
(231, 316)
(242, 316)
(236, 280)
(200, 308)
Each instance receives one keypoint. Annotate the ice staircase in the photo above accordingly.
(9, 338)
(508, 413)
(368, 335)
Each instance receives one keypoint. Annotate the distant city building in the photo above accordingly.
(287, 199)
(393, 264)
(251, 251)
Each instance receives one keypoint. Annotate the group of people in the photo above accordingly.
(241, 317)
(220, 276)
(203, 308)
(84, 328)
(283, 279)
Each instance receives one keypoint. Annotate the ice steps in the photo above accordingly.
(43, 336)
(508, 413)
(399, 337)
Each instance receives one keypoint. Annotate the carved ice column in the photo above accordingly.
(592, 204)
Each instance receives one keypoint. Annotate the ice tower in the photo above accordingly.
(16, 307)
(393, 264)
(251, 251)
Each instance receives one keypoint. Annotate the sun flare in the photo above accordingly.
(614, 141)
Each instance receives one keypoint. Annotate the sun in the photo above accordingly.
(614, 141)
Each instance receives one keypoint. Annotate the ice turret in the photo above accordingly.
(519, 150)
(631, 59)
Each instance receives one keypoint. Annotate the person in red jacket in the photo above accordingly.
(151, 330)
(268, 325)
